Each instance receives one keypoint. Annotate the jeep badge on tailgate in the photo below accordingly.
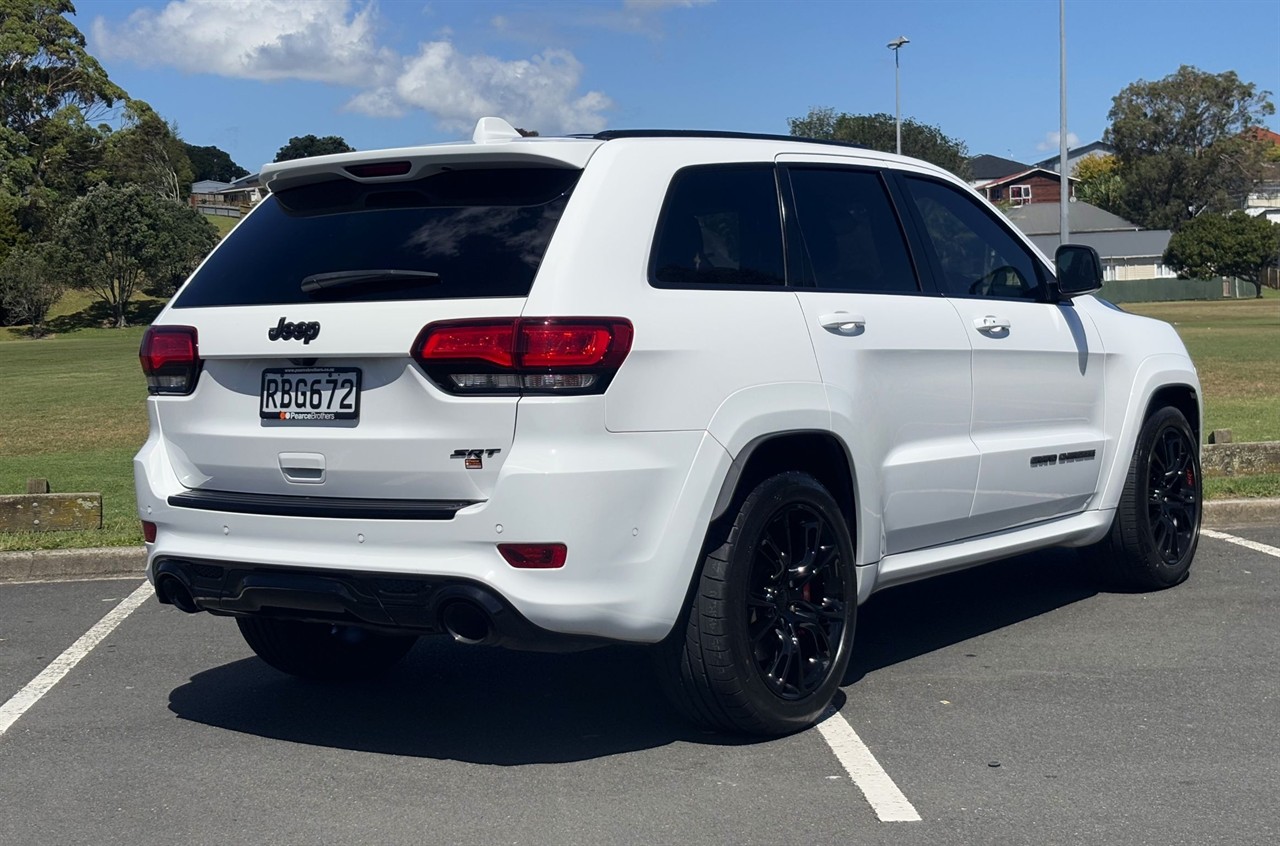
(305, 331)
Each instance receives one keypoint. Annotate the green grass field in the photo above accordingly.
(76, 410)
(224, 224)
(76, 415)
(1236, 347)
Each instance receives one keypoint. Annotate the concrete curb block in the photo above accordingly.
(1243, 459)
(1219, 513)
(132, 560)
(72, 563)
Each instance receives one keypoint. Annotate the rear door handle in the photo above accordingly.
(991, 324)
(843, 323)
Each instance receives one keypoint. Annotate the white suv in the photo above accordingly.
(705, 391)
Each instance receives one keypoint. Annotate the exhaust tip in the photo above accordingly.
(172, 591)
(467, 622)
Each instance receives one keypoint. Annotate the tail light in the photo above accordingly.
(170, 357)
(527, 355)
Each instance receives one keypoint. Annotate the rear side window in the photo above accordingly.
(457, 234)
(720, 226)
(850, 233)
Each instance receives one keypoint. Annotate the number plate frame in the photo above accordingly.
(331, 398)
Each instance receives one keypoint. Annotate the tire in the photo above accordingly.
(1157, 524)
(768, 631)
(323, 651)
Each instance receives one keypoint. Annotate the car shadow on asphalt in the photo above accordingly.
(901, 623)
(477, 704)
(492, 706)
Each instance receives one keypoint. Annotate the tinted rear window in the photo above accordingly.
(481, 233)
(720, 226)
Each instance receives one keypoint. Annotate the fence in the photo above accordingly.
(1163, 290)
(219, 211)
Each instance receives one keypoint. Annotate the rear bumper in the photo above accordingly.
(631, 508)
(379, 601)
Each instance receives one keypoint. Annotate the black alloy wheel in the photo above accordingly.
(1173, 502)
(1156, 527)
(768, 631)
(796, 601)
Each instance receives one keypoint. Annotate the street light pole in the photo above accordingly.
(1064, 181)
(895, 45)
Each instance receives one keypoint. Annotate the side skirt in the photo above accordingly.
(1077, 530)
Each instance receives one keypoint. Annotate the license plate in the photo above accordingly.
(305, 394)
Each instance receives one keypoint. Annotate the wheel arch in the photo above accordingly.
(1183, 397)
(816, 452)
(1159, 381)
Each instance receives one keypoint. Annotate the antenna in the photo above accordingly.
(493, 129)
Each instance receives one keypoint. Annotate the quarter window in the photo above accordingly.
(850, 233)
(720, 226)
(976, 256)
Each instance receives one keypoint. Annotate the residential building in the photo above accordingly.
(1036, 185)
(227, 199)
(1096, 148)
(987, 168)
(1127, 252)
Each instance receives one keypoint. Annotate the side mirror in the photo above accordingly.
(1079, 269)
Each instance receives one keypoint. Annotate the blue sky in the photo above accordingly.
(246, 75)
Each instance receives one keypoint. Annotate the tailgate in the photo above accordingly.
(305, 318)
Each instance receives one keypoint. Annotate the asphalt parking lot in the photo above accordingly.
(1012, 704)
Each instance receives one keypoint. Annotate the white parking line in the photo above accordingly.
(52, 674)
(1245, 542)
(885, 798)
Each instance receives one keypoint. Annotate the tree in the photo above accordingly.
(29, 287)
(879, 132)
(212, 163)
(1099, 182)
(114, 240)
(1225, 245)
(51, 90)
(44, 66)
(148, 152)
(306, 146)
(183, 239)
(1183, 145)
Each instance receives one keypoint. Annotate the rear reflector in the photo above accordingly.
(534, 556)
(542, 355)
(170, 358)
(148, 531)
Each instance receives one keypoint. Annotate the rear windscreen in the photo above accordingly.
(456, 234)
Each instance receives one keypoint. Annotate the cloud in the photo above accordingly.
(336, 43)
(548, 22)
(253, 39)
(537, 93)
(1050, 141)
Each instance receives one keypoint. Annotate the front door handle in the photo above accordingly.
(991, 324)
(843, 323)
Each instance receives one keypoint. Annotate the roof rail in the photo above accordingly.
(610, 134)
